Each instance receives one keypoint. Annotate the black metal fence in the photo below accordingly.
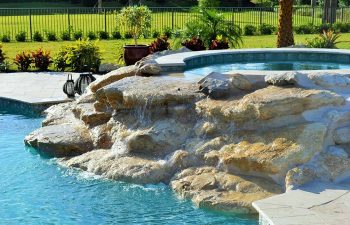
(13, 21)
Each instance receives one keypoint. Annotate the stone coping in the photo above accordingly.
(317, 203)
(182, 61)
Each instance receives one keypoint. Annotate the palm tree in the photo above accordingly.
(285, 24)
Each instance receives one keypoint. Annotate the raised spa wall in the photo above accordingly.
(184, 61)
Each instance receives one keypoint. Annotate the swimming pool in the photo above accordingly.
(272, 66)
(34, 190)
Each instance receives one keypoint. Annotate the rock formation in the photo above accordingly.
(247, 144)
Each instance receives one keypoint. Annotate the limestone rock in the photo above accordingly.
(217, 85)
(342, 135)
(87, 113)
(61, 140)
(143, 92)
(210, 188)
(331, 165)
(107, 67)
(299, 176)
(113, 76)
(268, 103)
(283, 79)
(274, 152)
(129, 169)
(59, 114)
(150, 69)
(331, 81)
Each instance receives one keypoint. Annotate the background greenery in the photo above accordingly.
(112, 49)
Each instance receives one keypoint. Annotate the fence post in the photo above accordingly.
(260, 15)
(172, 19)
(105, 20)
(30, 25)
(342, 14)
(68, 16)
(313, 15)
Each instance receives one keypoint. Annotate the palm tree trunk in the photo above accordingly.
(285, 24)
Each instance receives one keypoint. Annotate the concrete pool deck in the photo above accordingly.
(315, 204)
(34, 88)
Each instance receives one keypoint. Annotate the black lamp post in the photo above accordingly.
(83, 81)
(68, 87)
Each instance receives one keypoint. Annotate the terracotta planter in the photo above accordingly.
(133, 53)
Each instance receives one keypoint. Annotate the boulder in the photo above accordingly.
(113, 76)
(133, 92)
(59, 114)
(342, 135)
(210, 188)
(283, 79)
(150, 69)
(61, 140)
(331, 165)
(87, 113)
(107, 67)
(122, 168)
(268, 103)
(330, 81)
(273, 152)
(217, 85)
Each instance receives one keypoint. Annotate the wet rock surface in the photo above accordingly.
(253, 142)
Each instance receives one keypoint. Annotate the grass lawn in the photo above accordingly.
(112, 49)
(87, 19)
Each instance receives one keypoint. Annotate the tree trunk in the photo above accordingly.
(326, 11)
(285, 24)
(333, 16)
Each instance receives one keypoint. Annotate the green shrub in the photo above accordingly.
(23, 60)
(341, 27)
(266, 29)
(41, 59)
(91, 35)
(76, 56)
(167, 31)
(127, 35)
(78, 34)
(103, 35)
(38, 37)
(2, 54)
(5, 38)
(155, 34)
(21, 36)
(208, 25)
(116, 34)
(51, 36)
(249, 30)
(65, 35)
(324, 40)
(60, 61)
(4, 66)
(306, 29)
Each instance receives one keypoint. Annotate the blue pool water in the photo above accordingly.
(34, 190)
(280, 66)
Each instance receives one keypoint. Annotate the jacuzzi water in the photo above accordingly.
(34, 190)
(277, 66)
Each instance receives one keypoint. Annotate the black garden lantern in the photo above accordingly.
(83, 81)
(68, 87)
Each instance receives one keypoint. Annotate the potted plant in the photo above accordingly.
(137, 19)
